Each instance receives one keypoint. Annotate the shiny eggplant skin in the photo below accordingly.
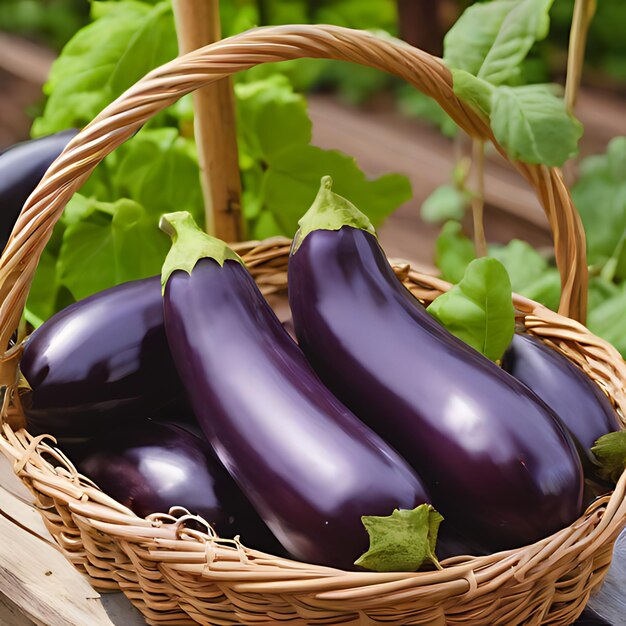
(586, 412)
(497, 462)
(310, 468)
(152, 467)
(100, 361)
(22, 166)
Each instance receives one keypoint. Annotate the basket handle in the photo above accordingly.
(166, 84)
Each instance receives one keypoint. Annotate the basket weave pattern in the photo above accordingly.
(178, 575)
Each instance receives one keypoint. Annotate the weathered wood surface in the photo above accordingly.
(37, 584)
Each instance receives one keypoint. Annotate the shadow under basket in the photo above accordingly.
(176, 574)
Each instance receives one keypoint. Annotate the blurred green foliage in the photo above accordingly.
(52, 22)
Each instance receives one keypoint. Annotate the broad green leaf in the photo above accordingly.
(43, 291)
(546, 289)
(529, 272)
(447, 202)
(468, 42)
(607, 320)
(523, 263)
(103, 59)
(151, 45)
(265, 225)
(117, 243)
(292, 181)
(474, 91)
(491, 39)
(479, 310)
(533, 125)
(271, 117)
(610, 453)
(527, 22)
(453, 252)
(616, 155)
(402, 541)
(159, 170)
(601, 290)
(600, 197)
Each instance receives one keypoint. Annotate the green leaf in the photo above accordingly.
(546, 289)
(616, 155)
(159, 170)
(103, 59)
(447, 202)
(529, 272)
(479, 310)
(523, 263)
(402, 541)
(600, 197)
(468, 42)
(117, 243)
(473, 90)
(607, 320)
(292, 181)
(264, 226)
(453, 252)
(271, 118)
(600, 290)
(43, 291)
(610, 453)
(527, 22)
(281, 170)
(491, 39)
(152, 45)
(533, 125)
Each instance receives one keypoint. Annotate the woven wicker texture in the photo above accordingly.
(176, 575)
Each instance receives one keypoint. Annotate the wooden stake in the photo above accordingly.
(197, 25)
(583, 14)
(478, 198)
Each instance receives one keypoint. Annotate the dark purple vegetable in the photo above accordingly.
(497, 463)
(589, 618)
(583, 408)
(22, 166)
(100, 361)
(310, 468)
(152, 467)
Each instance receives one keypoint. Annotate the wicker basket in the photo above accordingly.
(177, 575)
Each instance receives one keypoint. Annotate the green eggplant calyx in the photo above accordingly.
(330, 211)
(190, 244)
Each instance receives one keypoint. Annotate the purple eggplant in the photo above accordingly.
(586, 412)
(310, 468)
(100, 361)
(498, 464)
(22, 166)
(152, 467)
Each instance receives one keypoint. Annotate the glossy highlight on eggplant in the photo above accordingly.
(580, 404)
(22, 166)
(152, 467)
(498, 464)
(100, 361)
(310, 468)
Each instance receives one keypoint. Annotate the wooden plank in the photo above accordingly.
(11, 615)
(38, 580)
(37, 543)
